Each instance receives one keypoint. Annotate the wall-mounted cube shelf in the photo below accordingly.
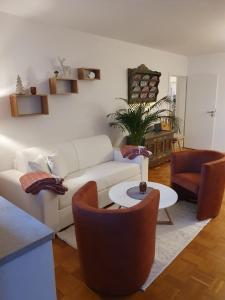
(83, 73)
(28, 105)
(63, 86)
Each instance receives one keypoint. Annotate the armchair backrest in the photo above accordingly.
(208, 156)
(116, 246)
(192, 160)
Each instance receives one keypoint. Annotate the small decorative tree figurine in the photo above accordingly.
(19, 86)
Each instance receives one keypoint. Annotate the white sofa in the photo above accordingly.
(82, 159)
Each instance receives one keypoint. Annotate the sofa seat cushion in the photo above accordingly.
(189, 181)
(106, 175)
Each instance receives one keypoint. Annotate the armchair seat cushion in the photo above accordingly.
(105, 174)
(189, 181)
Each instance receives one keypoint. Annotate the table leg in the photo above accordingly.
(111, 204)
(169, 222)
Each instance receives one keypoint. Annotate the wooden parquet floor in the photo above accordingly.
(198, 273)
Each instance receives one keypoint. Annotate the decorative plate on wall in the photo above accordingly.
(142, 84)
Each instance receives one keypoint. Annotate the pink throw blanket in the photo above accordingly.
(34, 182)
(131, 152)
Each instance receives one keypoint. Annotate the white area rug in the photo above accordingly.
(170, 239)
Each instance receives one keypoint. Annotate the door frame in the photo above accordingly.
(185, 99)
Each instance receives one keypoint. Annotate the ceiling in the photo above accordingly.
(188, 27)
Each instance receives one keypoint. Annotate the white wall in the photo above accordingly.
(31, 50)
(213, 64)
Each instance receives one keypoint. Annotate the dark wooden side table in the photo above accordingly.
(160, 144)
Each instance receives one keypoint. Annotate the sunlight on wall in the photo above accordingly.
(8, 148)
(6, 91)
(26, 8)
(9, 143)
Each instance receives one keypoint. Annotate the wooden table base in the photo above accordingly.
(169, 222)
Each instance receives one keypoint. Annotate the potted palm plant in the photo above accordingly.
(138, 118)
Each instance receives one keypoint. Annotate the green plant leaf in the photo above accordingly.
(137, 118)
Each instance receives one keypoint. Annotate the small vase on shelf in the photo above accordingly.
(33, 90)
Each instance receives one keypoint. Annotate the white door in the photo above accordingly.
(200, 111)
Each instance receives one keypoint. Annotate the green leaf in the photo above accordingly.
(137, 118)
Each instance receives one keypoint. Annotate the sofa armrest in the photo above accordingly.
(43, 206)
(140, 160)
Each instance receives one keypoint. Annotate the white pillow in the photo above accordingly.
(39, 164)
(57, 165)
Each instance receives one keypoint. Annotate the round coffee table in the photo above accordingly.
(168, 197)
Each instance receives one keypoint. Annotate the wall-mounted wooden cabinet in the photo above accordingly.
(62, 86)
(142, 85)
(28, 105)
(87, 73)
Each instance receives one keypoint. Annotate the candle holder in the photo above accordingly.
(143, 187)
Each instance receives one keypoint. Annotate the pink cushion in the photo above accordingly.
(189, 181)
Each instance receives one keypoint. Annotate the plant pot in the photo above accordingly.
(131, 141)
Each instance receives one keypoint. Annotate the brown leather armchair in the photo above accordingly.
(200, 174)
(116, 246)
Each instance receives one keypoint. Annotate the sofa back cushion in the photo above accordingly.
(93, 150)
(65, 151)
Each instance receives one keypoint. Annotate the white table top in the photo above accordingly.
(118, 194)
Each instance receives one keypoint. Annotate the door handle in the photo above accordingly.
(211, 112)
